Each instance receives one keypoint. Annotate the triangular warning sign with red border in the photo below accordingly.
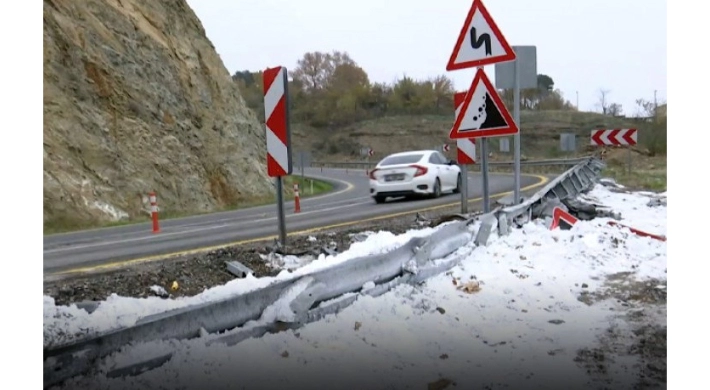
(483, 113)
(480, 41)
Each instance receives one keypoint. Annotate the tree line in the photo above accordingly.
(332, 90)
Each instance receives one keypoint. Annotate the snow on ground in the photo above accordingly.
(518, 319)
(64, 323)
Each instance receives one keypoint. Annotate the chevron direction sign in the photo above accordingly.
(614, 137)
(278, 134)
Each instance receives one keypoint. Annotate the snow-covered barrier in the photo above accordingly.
(559, 192)
(292, 302)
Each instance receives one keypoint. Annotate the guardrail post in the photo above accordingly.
(154, 211)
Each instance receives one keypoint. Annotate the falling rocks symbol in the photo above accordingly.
(494, 118)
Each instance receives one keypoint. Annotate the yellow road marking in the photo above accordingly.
(116, 264)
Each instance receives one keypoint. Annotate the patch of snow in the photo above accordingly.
(159, 290)
(633, 209)
(61, 322)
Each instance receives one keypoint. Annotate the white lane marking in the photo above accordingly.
(152, 236)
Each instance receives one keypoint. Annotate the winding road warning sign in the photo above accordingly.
(480, 42)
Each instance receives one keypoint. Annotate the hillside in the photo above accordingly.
(137, 99)
(540, 135)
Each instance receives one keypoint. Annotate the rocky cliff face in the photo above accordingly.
(137, 99)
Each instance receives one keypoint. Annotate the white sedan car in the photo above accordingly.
(416, 173)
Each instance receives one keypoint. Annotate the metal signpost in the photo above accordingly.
(367, 152)
(482, 112)
(568, 142)
(504, 144)
(465, 154)
(304, 160)
(518, 74)
(278, 135)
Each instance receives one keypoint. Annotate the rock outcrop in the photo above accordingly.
(137, 99)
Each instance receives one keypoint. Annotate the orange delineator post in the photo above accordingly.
(296, 199)
(154, 211)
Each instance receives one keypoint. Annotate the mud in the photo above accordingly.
(632, 351)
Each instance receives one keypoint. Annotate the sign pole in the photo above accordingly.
(301, 161)
(464, 188)
(280, 210)
(628, 158)
(516, 137)
(484, 174)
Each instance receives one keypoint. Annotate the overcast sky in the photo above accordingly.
(584, 45)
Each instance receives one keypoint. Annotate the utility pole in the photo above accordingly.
(577, 92)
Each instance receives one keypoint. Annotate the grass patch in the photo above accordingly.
(308, 187)
(647, 173)
(639, 179)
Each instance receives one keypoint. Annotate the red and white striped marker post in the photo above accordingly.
(616, 137)
(154, 211)
(370, 153)
(296, 199)
(278, 135)
(564, 220)
(465, 153)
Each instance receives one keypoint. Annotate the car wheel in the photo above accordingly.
(379, 199)
(458, 184)
(437, 189)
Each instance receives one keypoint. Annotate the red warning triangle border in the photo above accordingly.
(559, 215)
(511, 128)
(509, 52)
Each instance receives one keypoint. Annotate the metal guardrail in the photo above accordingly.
(572, 182)
(372, 164)
(568, 185)
(410, 263)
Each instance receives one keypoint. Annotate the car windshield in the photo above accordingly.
(403, 159)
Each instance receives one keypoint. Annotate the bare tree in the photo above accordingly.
(645, 108)
(615, 109)
(604, 101)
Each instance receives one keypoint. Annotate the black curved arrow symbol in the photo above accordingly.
(485, 38)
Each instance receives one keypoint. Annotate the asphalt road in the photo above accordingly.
(348, 204)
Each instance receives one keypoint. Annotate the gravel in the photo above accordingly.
(196, 273)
